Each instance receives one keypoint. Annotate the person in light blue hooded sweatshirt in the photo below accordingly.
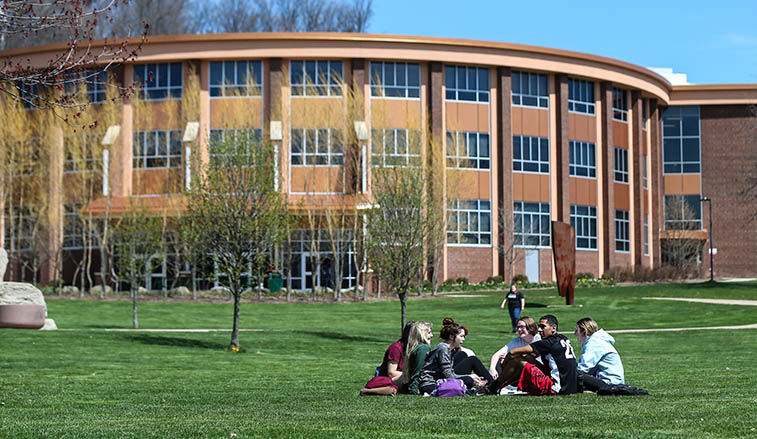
(600, 363)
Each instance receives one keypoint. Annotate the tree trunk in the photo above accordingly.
(194, 281)
(135, 321)
(403, 299)
(235, 325)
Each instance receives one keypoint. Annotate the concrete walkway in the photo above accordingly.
(715, 301)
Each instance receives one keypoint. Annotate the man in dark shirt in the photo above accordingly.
(558, 372)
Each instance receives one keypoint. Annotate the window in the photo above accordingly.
(644, 172)
(619, 105)
(157, 149)
(82, 152)
(465, 83)
(622, 231)
(583, 159)
(395, 147)
(24, 157)
(94, 81)
(316, 78)
(20, 223)
(236, 78)
(73, 230)
(467, 150)
(530, 89)
(395, 79)
(646, 235)
(248, 137)
(469, 222)
(644, 113)
(532, 224)
(28, 94)
(620, 160)
(584, 221)
(680, 140)
(317, 146)
(683, 212)
(531, 154)
(159, 81)
(580, 96)
(305, 243)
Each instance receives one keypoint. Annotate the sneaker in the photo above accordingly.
(511, 390)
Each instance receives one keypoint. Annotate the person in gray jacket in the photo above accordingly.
(438, 364)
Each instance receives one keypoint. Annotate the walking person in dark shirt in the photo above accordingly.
(515, 304)
(558, 372)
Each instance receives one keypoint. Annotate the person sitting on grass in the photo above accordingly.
(438, 364)
(528, 333)
(600, 363)
(418, 346)
(395, 355)
(461, 353)
(558, 372)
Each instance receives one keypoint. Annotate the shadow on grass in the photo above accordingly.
(339, 336)
(162, 340)
(535, 305)
(718, 285)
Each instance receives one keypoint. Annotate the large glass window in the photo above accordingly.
(583, 159)
(20, 228)
(28, 93)
(236, 78)
(619, 105)
(468, 150)
(157, 149)
(94, 82)
(531, 154)
(646, 235)
(24, 157)
(395, 147)
(620, 165)
(469, 222)
(316, 78)
(580, 96)
(312, 259)
(680, 140)
(248, 137)
(683, 212)
(395, 79)
(73, 230)
(532, 224)
(622, 231)
(530, 89)
(584, 221)
(465, 83)
(159, 81)
(81, 152)
(317, 146)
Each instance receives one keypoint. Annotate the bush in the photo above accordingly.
(584, 275)
(520, 279)
(462, 281)
(448, 283)
(427, 285)
(493, 280)
(619, 274)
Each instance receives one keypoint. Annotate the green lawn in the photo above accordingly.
(303, 365)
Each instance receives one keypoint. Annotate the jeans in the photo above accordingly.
(514, 315)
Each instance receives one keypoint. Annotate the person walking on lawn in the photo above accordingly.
(515, 305)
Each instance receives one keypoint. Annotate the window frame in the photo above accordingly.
(90, 162)
(473, 216)
(541, 81)
(221, 133)
(391, 137)
(379, 85)
(622, 231)
(458, 140)
(332, 158)
(315, 87)
(679, 114)
(248, 88)
(584, 222)
(519, 163)
(151, 85)
(577, 102)
(619, 104)
(541, 213)
(476, 92)
(587, 156)
(620, 165)
(172, 138)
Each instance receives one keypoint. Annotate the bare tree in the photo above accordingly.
(399, 227)
(236, 210)
(508, 227)
(681, 248)
(157, 17)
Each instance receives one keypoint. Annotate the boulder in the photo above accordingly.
(95, 291)
(21, 306)
(70, 290)
(49, 325)
(3, 263)
(179, 291)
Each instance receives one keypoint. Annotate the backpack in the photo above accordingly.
(450, 387)
(620, 390)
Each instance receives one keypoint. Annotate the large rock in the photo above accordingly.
(3, 263)
(21, 306)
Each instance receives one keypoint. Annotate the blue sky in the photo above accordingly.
(713, 42)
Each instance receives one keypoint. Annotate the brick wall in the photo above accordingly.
(473, 263)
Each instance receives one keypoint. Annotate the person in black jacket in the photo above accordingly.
(558, 373)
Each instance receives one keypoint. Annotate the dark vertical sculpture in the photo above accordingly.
(564, 251)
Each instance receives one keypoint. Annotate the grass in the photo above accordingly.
(303, 365)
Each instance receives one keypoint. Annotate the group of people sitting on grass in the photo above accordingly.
(539, 361)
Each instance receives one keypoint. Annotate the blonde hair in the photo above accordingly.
(588, 326)
(415, 338)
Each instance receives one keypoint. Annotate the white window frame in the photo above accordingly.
(219, 134)
(675, 114)
(163, 89)
(583, 158)
(390, 81)
(620, 165)
(619, 105)
(466, 83)
(331, 152)
(470, 220)
(536, 92)
(584, 221)
(465, 151)
(141, 149)
(581, 96)
(531, 221)
(325, 81)
(392, 147)
(646, 235)
(622, 231)
(524, 146)
(244, 80)
(88, 163)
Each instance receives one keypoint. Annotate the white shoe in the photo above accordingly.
(511, 390)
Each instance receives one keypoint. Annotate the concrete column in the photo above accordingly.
(435, 111)
(637, 183)
(655, 181)
(562, 146)
(606, 208)
(52, 222)
(201, 155)
(121, 156)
